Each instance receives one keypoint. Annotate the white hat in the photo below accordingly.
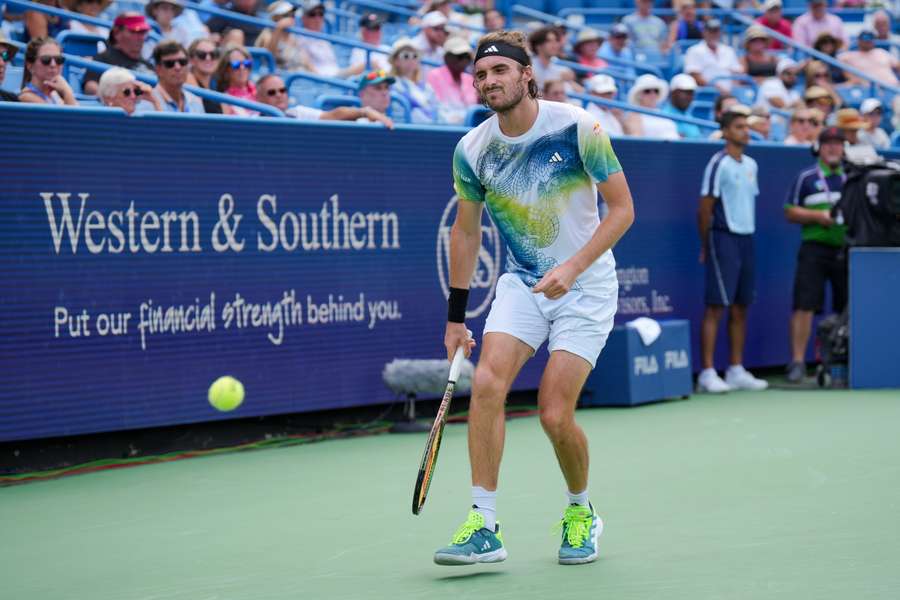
(588, 35)
(457, 45)
(784, 64)
(869, 104)
(648, 82)
(601, 84)
(280, 7)
(434, 19)
(683, 82)
(770, 4)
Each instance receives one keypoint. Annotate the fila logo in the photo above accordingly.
(556, 158)
(490, 49)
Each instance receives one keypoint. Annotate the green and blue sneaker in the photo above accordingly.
(581, 528)
(473, 543)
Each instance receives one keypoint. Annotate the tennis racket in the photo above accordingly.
(429, 459)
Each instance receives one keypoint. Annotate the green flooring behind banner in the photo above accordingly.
(767, 495)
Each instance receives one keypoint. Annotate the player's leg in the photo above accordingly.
(581, 325)
(721, 284)
(737, 377)
(737, 333)
(809, 296)
(514, 328)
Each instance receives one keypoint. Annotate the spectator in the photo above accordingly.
(587, 44)
(649, 91)
(118, 88)
(857, 149)
(875, 62)
(407, 70)
(683, 87)
(370, 33)
(42, 25)
(452, 86)
(204, 55)
(617, 48)
(42, 81)
(872, 111)
(773, 18)
(374, 93)
(822, 257)
(723, 103)
(89, 8)
(285, 46)
(726, 220)
(687, 26)
(544, 44)
(494, 20)
(232, 77)
(123, 49)
(710, 59)
(881, 23)
(322, 59)
(611, 119)
(271, 90)
(803, 126)
(820, 98)
(779, 91)
(816, 20)
(554, 90)
(648, 32)
(171, 61)
(828, 44)
(758, 62)
(760, 121)
(164, 13)
(430, 41)
(236, 33)
(7, 54)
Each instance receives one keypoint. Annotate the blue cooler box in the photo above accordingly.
(630, 373)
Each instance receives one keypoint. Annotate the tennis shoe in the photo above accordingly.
(709, 381)
(473, 543)
(796, 372)
(739, 378)
(581, 528)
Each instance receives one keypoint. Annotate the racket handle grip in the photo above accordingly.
(458, 358)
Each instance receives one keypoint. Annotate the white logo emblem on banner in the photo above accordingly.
(487, 267)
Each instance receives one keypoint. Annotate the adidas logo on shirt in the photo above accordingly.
(490, 49)
(556, 158)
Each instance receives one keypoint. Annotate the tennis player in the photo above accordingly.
(537, 166)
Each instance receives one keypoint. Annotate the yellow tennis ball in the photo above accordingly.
(226, 393)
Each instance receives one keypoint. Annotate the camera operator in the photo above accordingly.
(822, 257)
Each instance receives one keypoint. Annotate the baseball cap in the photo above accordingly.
(683, 82)
(866, 35)
(770, 4)
(457, 45)
(132, 22)
(281, 8)
(374, 78)
(311, 5)
(784, 64)
(713, 24)
(587, 35)
(739, 109)
(831, 134)
(619, 30)
(601, 84)
(434, 19)
(371, 21)
(870, 104)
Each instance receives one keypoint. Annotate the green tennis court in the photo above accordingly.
(782, 494)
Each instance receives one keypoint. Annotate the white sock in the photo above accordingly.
(485, 504)
(580, 498)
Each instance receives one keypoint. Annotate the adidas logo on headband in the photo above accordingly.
(501, 48)
(491, 49)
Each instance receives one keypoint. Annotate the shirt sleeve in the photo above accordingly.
(465, 182)
(692, 61)
(710, 185)
(793, 196)
(597, 155)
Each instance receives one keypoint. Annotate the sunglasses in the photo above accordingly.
(316, 14)
(408, 56)
(136, 91)
(170, 63)
(276, 91)
(463, 56)
(214, 54)
(650, 91)
(241, 64)
(5, 55)
(58, 59)
(801, 120)
(820, 75)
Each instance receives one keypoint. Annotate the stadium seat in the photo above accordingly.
(852, 96)
(80, 44)
(476, 115)
(13, 80)
(332, 101)
(263, 61)
(744, 91)
(895, 139)
(701, 109)
(706, 93)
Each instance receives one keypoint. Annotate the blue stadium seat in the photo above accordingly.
(332, 101)
(263, 61)
(476, 115)
(895, 139)
(706, 93)
(13, 80)
(80, 44)
(744, 91)
(701, 109)
(852, 95)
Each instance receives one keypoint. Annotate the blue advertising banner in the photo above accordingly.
(144, 257)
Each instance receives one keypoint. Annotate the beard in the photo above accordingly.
(517, 93)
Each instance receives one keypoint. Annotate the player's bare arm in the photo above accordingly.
(704, 220)
(465, 241)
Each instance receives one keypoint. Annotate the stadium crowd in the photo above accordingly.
(426, 69)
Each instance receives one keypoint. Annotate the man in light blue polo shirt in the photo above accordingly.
(726, 219)
(171, 60)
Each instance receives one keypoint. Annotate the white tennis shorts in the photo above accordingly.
(578, 323)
